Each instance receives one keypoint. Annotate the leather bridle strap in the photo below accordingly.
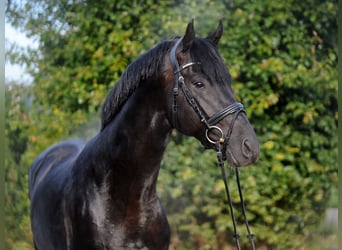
(179, 81)
(231, 109)
(178, 75)
(236, 236)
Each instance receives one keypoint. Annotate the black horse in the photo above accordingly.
(102, 194)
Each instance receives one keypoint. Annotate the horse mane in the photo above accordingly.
(149, 65)
(145, 67)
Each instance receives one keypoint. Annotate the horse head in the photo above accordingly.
(203, 104)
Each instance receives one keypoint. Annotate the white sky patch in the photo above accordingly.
(15, 72)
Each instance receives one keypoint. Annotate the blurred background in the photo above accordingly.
(282, 56)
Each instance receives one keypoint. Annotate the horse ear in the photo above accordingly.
(215, 36)
(189, 36)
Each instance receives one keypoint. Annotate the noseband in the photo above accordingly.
(210, 125)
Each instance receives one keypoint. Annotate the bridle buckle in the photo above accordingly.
(212, 141)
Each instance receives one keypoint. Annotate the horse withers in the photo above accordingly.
(101, 194)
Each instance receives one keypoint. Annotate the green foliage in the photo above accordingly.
(17, 121)
(282, 57)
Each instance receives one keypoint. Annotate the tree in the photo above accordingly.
(282, 58)
(18, 101)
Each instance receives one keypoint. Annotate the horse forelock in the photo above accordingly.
(211, 63)
(145, 67)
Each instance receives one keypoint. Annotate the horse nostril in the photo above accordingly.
(246, 149)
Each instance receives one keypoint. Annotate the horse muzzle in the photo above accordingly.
(239, 144)
(243, 147)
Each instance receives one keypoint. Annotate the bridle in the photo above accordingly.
(210, 125)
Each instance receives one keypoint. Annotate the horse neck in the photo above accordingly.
(127, 153)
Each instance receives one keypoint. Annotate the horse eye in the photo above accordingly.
(199, 85)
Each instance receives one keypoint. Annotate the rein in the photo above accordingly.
(210, 124)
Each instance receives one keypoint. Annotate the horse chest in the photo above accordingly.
(139, 228)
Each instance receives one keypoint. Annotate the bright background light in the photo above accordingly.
(15, 72)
